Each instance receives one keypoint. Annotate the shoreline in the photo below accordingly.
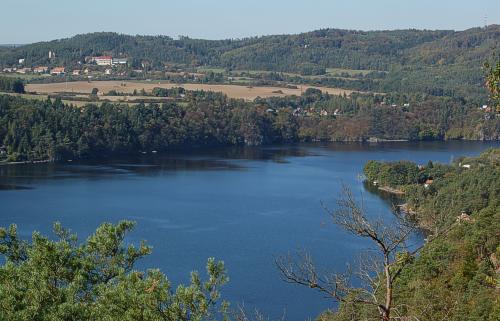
(296, 144)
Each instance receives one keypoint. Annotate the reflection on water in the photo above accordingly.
(18, 175)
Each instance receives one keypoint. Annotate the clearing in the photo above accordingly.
(233, 91)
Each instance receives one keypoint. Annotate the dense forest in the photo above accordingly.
(51, 130)
(8, 84)
(433, 62)
(455, 276)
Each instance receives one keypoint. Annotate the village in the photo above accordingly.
(92, 65)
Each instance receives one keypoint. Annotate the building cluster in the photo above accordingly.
(61, 70)
(106, 60)
(36, 70)
(301, 112)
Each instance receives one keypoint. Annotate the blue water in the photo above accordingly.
(244, 206)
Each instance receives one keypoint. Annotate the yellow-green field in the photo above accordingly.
(233, 91)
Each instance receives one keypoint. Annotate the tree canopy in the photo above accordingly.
(63, 279)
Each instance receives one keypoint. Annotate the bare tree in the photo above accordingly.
(378, 269)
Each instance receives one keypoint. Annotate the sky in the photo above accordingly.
(26, 21)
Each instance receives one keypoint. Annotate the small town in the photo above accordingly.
(106, 65)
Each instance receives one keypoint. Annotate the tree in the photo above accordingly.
(18, 86)
(94, 91)
(493, 83)
(63, 279)
(378, 270)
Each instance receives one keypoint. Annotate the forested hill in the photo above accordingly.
(328, 48)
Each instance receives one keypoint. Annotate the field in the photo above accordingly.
(233, 91)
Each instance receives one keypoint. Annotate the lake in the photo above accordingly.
(244, 206)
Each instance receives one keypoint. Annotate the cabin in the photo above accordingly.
(463, 217)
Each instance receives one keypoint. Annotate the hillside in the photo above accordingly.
(432, 62)
(456, 275)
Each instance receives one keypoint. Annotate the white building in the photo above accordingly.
(103, 60)
(21, 61)
(119, 61)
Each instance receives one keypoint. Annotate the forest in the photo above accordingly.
(50, 130)
(442, 63)
(455, 275)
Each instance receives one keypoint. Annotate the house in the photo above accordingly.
(107, 71)
(23, 70)
(464, 217)
(428, 182)
(466, 166)
(21, 61)
(103, 60)
(76, 72)
(323, 113)
(40, 69)
(7, 70)
(336, 112)
(57, 71)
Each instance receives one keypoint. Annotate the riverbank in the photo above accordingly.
(28, 162)
(391, 190)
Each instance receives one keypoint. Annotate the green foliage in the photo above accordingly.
(10, 84)
(50, 130)
(455, 276)
(440, 63)
(63, 279)
(393, 174)
(493, 83)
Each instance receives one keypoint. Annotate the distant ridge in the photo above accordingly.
(437, 62)
(12, 45)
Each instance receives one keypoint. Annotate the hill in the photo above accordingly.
(455, 276)
(438, 62)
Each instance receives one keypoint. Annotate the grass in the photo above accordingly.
(351, 72)
(21, 76)
(233, 91)
(210, 69)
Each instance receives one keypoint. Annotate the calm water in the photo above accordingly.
(243, 206)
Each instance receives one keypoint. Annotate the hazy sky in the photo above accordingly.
(23, 21)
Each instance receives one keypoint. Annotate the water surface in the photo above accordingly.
(241, 205)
